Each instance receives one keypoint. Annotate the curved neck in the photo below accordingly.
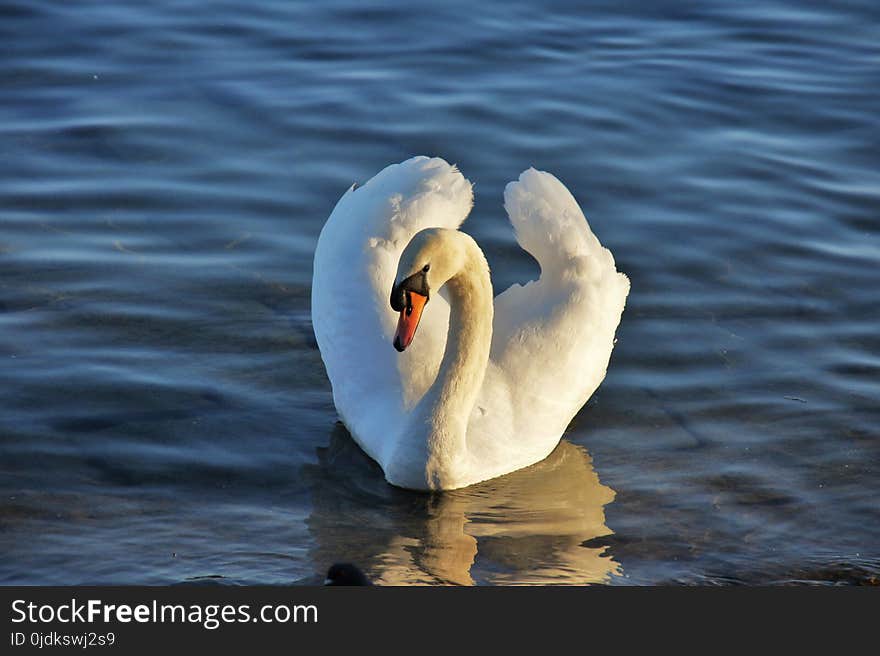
(448, 403)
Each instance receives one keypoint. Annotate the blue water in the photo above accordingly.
(166, 170)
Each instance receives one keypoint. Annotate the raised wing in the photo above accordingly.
(354, 268)
(552, 338)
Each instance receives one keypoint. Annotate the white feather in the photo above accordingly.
(551, 339)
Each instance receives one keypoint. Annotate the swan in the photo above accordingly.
(441, 384)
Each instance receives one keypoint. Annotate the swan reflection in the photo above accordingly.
(528, 527)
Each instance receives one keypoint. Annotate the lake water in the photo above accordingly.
(166, 170)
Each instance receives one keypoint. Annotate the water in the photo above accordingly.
(167, 169)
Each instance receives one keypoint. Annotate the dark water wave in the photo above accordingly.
(168, 166)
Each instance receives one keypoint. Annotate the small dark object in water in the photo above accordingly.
(345, 574)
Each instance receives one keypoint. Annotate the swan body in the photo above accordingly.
(485, 386)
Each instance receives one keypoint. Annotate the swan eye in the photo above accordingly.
(426, 268)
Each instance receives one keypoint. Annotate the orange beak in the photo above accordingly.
(409, 320)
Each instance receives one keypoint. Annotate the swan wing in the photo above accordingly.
(552, 338)
(354, 268)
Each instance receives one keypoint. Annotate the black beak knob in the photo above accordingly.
(398, 298)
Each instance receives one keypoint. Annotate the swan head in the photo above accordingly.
(431, 258)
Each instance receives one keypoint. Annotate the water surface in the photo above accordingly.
(164, 412)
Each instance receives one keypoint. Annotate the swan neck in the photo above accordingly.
(452, 397)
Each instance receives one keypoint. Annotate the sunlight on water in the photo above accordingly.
(167, 169)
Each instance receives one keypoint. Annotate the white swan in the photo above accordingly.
(471, 397)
